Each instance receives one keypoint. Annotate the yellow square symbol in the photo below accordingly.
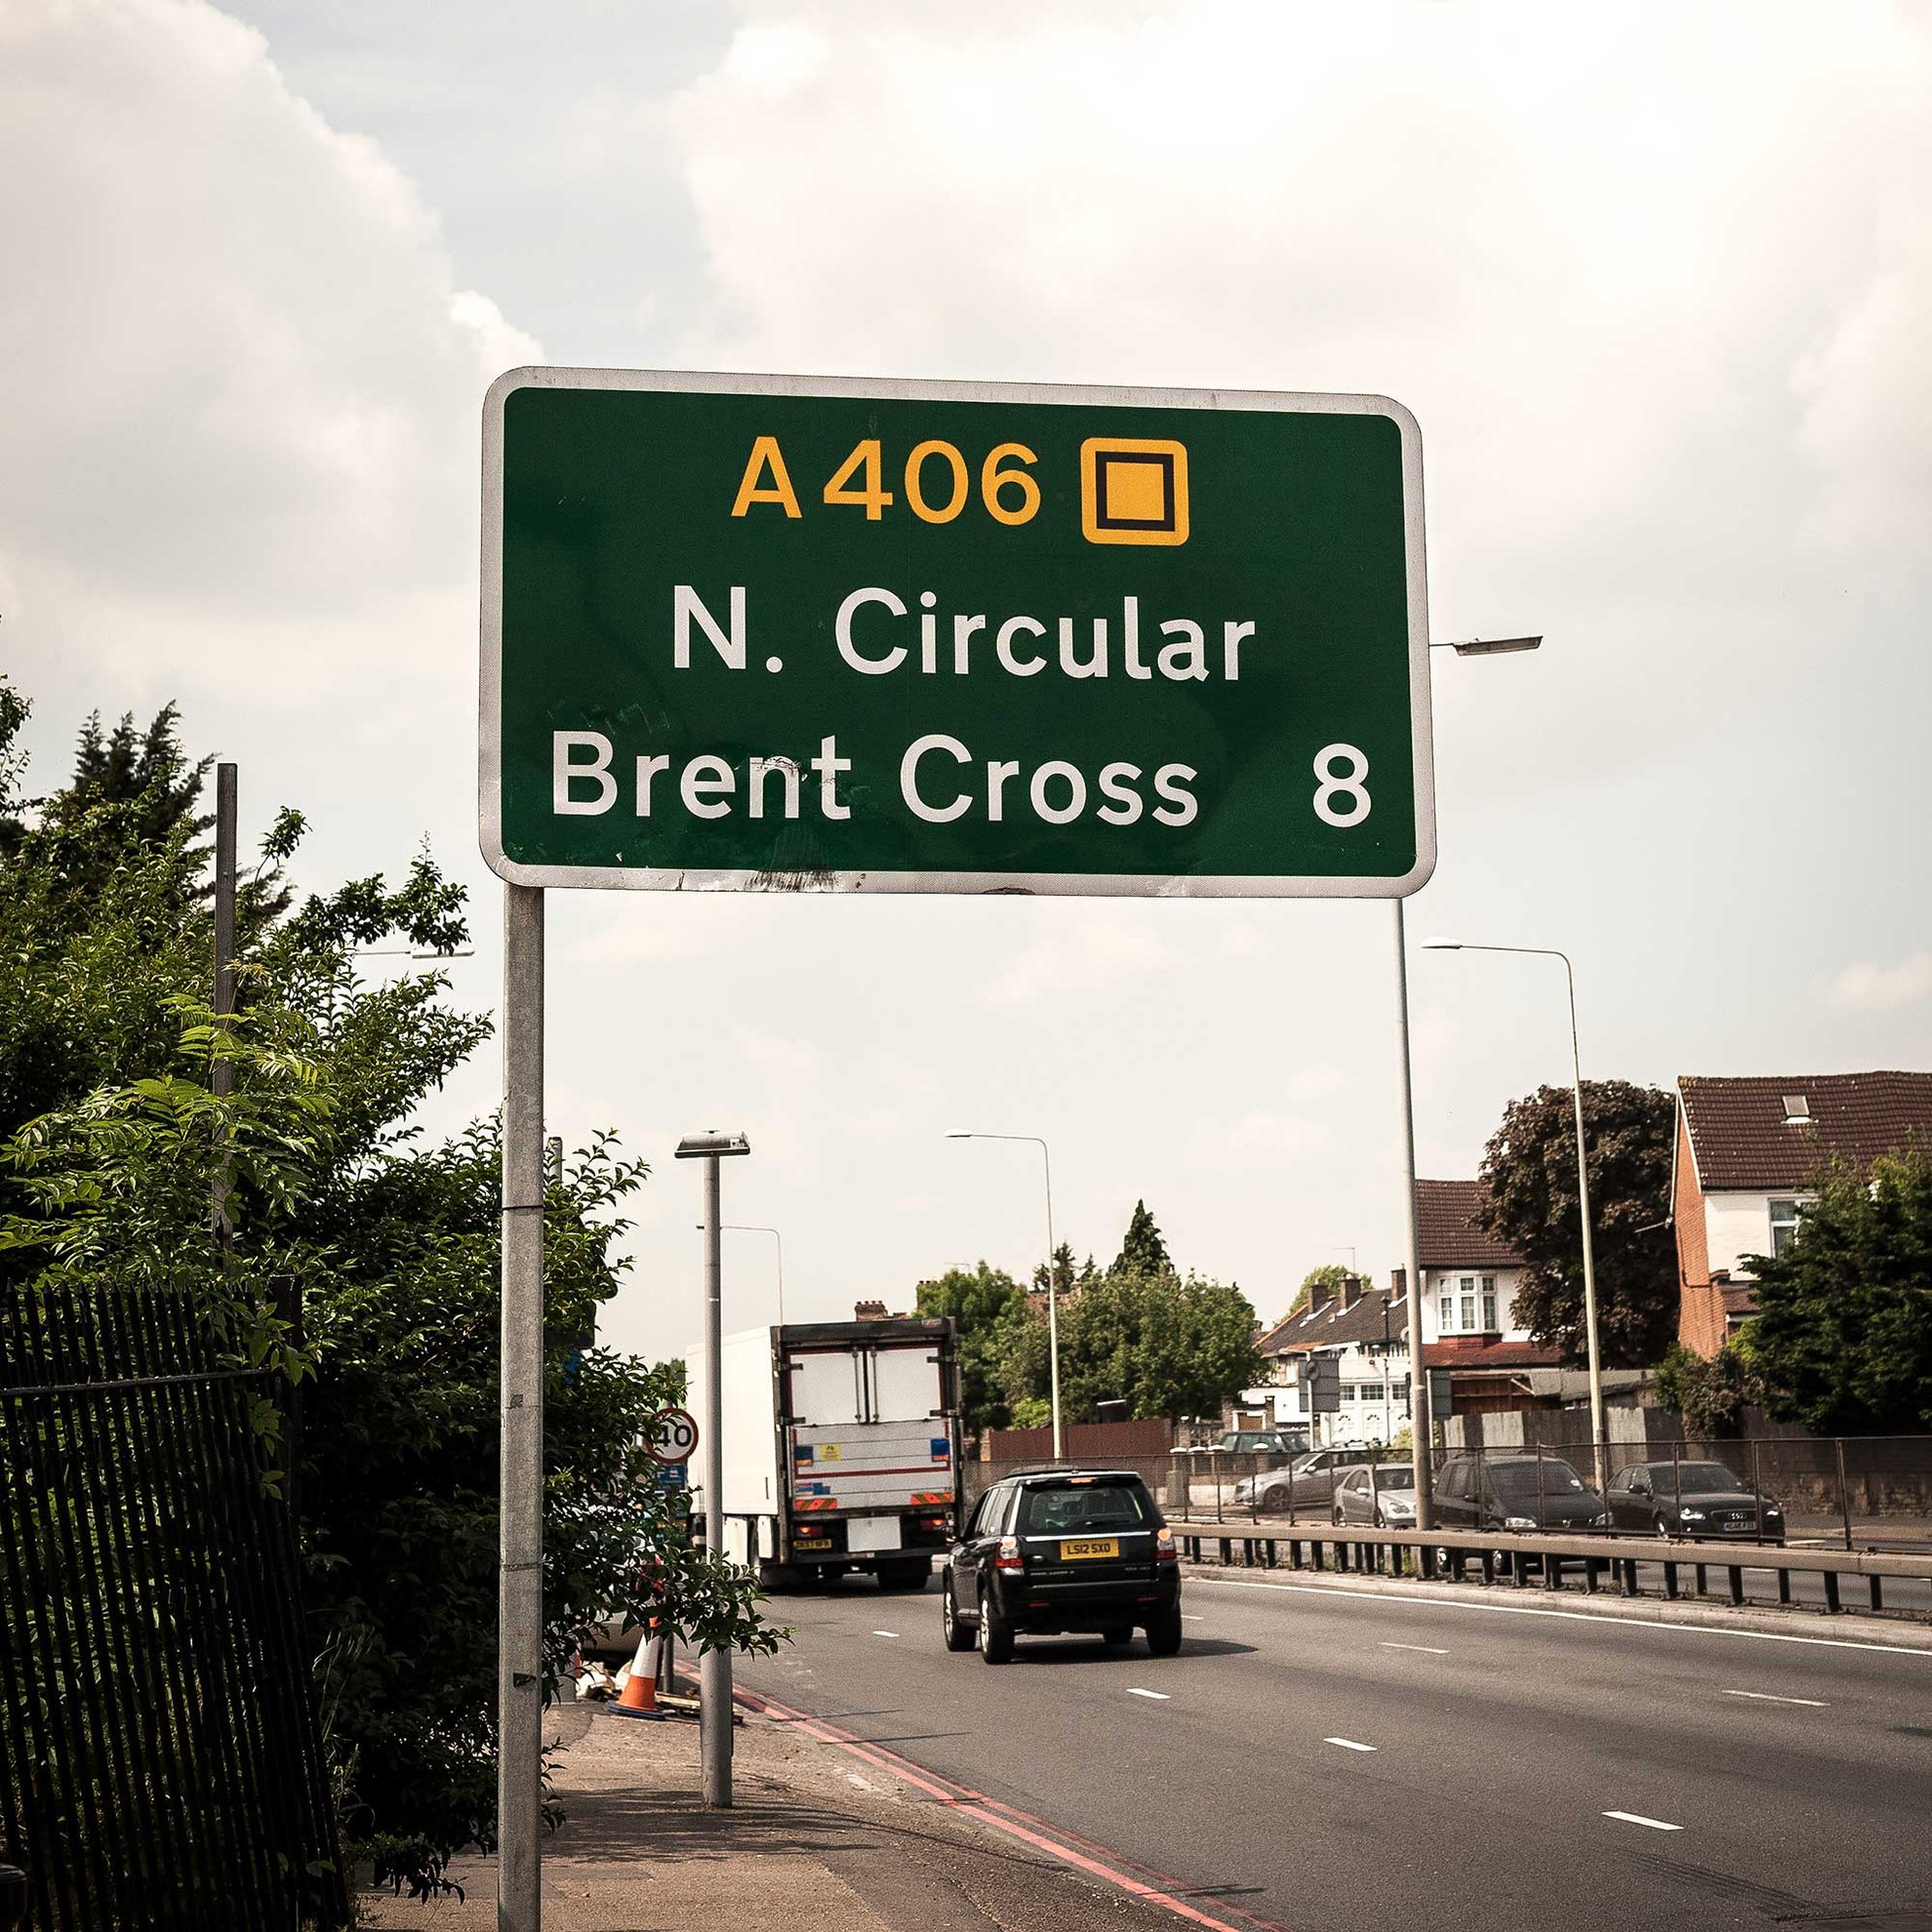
(1133, 490)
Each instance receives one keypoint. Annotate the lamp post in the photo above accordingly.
(715, 1665)
(1422, 1419)
(1597, 1425)
(1053, 1298)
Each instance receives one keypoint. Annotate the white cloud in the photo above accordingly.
(1092, 947)
(242, 423)
(1866, 984)
(1257, 1141)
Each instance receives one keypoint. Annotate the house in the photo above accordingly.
(1366, 1330)
(1747, 1155)
(1470, 1328)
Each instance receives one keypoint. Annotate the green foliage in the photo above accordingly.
(1165, 1345)
(1530, 1166)
(1710, 1396)
(1843, 1339)
(1142, 1250)
(1330, 1274)
(112, 1140)
(985, 1304)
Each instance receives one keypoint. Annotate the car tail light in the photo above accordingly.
(1164, 1549)
(1009, 1557)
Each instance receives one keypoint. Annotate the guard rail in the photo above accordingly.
(1448, 1555)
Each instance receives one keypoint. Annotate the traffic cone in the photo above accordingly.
(640, 1690)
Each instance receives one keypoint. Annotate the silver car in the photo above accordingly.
(1381, 1497)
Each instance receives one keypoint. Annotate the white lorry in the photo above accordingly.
(841, 1448)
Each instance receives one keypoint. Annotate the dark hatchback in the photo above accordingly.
(1482, 1492)
(1692, 1499)
(1062, 1550)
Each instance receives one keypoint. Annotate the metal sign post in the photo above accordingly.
(520, 1578)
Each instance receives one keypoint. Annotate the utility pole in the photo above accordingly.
(520, 1507)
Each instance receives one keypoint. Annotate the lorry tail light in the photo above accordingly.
(1009, 1557)
(1164, 1549)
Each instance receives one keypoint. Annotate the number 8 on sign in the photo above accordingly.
(1351, 785)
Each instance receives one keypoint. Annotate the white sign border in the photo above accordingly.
(1112, 885)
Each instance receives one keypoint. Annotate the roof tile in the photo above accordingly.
(1449, 1238)
(1741, 1137)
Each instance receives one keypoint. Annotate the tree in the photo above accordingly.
(1165, 1346)
(1530, 1169)
(1066, 1277)
(1843, 1339)
(1710, 1395)
(1142, 1250)
(113, 1138)
(984, 1304)
(1329, 1275)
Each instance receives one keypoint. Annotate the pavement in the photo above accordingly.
(817, 1839)
(1328, 1759)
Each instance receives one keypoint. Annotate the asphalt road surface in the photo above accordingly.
(1324, 1760)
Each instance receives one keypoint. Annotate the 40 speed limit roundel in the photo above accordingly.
(675, 1437)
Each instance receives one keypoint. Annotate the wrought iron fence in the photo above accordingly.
(163, 1765)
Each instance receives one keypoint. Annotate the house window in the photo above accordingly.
(1489, 1303)
(1784, 1225)
(1447, 1312)
(1467, 1286)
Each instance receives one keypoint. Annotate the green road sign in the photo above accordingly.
(786, 633)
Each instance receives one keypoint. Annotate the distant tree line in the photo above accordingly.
(1137, 1332)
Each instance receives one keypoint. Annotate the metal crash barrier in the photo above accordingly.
(1460, 1555)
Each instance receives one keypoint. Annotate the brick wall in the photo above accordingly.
(1699, 1305)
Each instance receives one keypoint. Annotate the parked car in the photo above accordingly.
(1062, 1550)
(1250, 1442)
(1384, 1496)
(1307, 1482)
(1694, 1500)
(1515, 1493)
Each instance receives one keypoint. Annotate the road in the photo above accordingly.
(1325, 1760)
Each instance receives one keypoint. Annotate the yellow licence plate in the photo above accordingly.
(1092, 1546)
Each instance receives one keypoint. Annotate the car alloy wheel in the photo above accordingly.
(957, 1635)
(994, 1635)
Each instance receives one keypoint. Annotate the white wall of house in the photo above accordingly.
(1739, 1224)
(1482, 1301)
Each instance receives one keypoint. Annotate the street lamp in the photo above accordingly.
(1583, 1179)
(1487, 647)
(715, 1663)
(1053, 1298)
(1421, 1420)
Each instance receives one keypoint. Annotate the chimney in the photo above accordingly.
(1319, 1297)
(1351, 1291)
(1399, 1283)
(868, 1311)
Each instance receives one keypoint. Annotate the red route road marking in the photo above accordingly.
(1067, 1847)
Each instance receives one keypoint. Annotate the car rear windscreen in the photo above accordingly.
(1074, 1508)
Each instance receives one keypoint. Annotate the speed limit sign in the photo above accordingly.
(674, 1437)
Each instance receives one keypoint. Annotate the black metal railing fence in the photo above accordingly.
(163, 1769)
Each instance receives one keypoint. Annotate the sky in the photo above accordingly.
(1658, 291)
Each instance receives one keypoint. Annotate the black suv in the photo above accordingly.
(1062, 1550)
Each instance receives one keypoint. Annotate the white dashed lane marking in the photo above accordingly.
(1349, 1744)
(1160, 1696)
(1429, 1649)
(1637, 1818)
(885, 1633)
(1767, 1697)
